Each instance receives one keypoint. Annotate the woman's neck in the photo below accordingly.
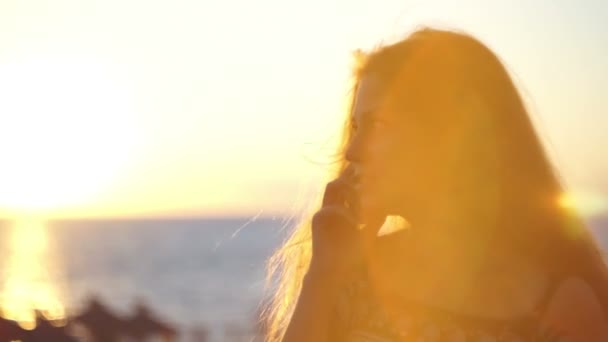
(458, 240)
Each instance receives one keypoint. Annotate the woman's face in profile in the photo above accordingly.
(376, 149)
(400, 164)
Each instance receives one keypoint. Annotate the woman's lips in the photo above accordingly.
(366, 188)
(363, 180)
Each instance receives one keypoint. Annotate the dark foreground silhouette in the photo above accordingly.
(98, 323)
(95, 324)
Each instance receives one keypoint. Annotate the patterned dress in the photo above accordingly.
(360, 317)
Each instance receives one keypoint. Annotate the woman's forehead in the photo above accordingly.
(367, 96)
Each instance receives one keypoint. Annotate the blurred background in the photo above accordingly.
(154, 153)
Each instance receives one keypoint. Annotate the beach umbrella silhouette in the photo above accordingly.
(10, 330)
(102, 324)
(143, 325)
(45, 331)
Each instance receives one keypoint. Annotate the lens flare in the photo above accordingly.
(587, 203)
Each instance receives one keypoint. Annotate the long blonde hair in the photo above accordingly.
(446, 75)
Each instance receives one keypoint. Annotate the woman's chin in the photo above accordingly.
(372, 211)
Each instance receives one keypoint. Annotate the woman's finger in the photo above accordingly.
(340, 193)
(334, 218)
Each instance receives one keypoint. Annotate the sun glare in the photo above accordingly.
(64, 133)
(585, 202)
(28, 276)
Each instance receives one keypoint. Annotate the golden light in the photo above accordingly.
(65, 132)
(29, 276)
(587, 203)
(65, 137)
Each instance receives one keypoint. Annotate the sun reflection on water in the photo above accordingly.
(28, 279)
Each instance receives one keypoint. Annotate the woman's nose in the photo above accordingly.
(354, 151)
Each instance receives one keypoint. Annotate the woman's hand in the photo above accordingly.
(339, 240)
(339, 243)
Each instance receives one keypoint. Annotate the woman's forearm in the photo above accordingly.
(312, 314)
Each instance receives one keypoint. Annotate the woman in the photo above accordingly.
(438, 135)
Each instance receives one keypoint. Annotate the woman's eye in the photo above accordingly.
(367, 126)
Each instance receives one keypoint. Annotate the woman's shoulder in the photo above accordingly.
(526, 289)
(363, 317)
(510, 285)
(574, 306)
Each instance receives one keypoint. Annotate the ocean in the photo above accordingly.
(196, 274)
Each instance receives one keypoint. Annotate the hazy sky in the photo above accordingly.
(231, 107)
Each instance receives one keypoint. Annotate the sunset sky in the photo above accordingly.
(111, 108)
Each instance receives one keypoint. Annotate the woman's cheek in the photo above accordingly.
(382, 167)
